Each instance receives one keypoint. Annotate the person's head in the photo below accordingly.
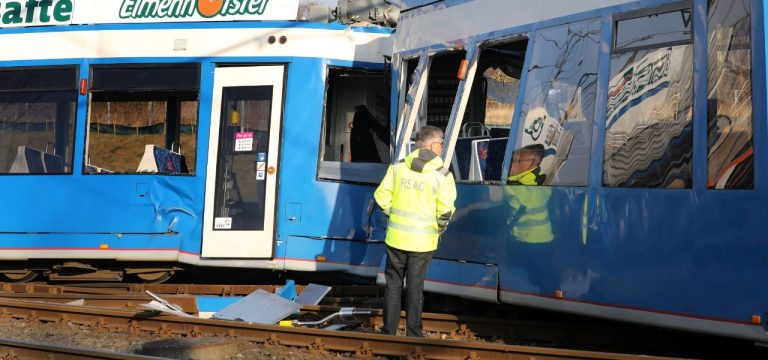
(526, 159)
(430, 138)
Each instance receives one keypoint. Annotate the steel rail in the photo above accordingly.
(457, 327)
(346, 294)
(123, 288)
(123, 301)
(361, 344)
(16, 349)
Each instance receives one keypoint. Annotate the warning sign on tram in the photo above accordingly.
(244, 141)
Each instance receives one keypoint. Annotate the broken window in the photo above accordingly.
(408, 68)
(654, 28)
(442, 84)
(411, 109)
(355, 139)
(558, 108)
(484, 132)
(648, 129)
(729, 94)
(356, 127)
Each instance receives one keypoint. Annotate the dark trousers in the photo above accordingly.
(413, 267)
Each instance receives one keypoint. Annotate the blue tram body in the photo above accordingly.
(667, 235)
(144, 116)
(647, 219)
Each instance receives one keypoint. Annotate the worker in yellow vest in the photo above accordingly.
(531, 247)
(530, 216)
(417, 194)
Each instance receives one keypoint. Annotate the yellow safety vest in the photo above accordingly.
(418, 195)
(529, 211)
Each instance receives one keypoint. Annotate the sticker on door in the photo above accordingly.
(222, 223)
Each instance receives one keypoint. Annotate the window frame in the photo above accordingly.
(402, 68)
(55, 91)
(523, 106)
(408, 115)
(464, 92)
(341, 171)
(755, 85)
(194, 89)
(661, 9)
(615, 18)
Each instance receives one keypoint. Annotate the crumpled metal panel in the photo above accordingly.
(260, 307)
(313, 294)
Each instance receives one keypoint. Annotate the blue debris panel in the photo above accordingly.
(260, 307)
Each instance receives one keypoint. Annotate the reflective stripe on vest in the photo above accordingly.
(410, 214)
(413, 229)
(537, 210)
(533, 225)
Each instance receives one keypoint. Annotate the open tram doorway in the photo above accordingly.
(241, 180)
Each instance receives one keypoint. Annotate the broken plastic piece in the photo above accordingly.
(288, 291)
(160, 304)
(163, 301)
(156, 306)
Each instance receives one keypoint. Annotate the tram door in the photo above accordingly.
(241, 180)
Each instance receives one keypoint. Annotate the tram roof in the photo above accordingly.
(425, 23)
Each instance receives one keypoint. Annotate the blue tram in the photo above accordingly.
(137, 136)
(637, 125)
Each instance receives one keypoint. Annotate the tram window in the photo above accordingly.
(557, 113)
(442, 85)
(653, 27)
(484, 132)
(143, 119)
(730, 143)
(410, 66)
(357, 117)
(37, 116)
(407, 100)
(648, 136)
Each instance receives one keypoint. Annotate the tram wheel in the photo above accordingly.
(155, 277)
(21, 277)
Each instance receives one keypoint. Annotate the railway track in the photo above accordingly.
(358, 343)
(14, 349)
(437, 325)
(339, 295)
(484, 329)
(440, 325)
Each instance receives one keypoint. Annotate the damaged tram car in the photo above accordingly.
(604, 153)
(144, 137)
